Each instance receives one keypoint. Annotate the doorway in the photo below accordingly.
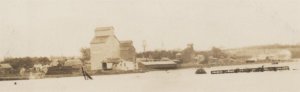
(104, 66)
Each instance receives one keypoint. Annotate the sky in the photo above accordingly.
(62, 27)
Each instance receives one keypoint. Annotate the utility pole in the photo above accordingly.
(144, 48)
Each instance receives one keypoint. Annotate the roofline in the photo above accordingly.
(104, 28)
(108, 36)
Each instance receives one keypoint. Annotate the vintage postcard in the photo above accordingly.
(149, 45)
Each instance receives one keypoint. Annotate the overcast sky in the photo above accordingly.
(62, 27)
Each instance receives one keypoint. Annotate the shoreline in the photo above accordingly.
(100, 73)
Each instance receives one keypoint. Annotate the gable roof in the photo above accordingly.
(102, 39)
(99, 39)
(126, 45)
(73, 62)
(159, 63)
(126, 42)
(109, 28)
(5, 66)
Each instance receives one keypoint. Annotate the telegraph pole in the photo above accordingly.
(144, 48)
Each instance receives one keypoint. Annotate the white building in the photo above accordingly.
(273, 55)
(75, 63)
(104, 45)
(126, 65)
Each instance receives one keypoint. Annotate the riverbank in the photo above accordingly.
(111, 72)
(94, 73)
(178, 80)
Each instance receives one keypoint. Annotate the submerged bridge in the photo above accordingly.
(248, 70)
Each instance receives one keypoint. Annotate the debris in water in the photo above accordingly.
(200, 71)
(247, 70)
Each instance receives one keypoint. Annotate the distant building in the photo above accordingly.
(57, 60)
(188, 54)
(273, 55)
(125, 65)
(127, 50)
(5, 68)
(70, 66)
(74, 63)
(54, 63)
(106, 47)
(38, 70)
(158, 65)
(261, 54)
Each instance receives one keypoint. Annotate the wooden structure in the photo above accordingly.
(5, 69)
(158, 65)
(85, 74)
(247, 70)
(104, 45)
(127, 50)
(200, 71)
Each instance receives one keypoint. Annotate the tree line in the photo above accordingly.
(185, 55)
(26, 62)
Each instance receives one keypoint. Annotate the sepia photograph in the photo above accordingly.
(149, 45)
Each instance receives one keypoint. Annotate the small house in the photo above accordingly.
(5, 68)
(74, 63)
(126, 65)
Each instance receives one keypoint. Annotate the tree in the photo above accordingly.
(44, 61)
(85, 54)
(217, 53)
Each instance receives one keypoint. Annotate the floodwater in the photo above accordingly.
(182, 80)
